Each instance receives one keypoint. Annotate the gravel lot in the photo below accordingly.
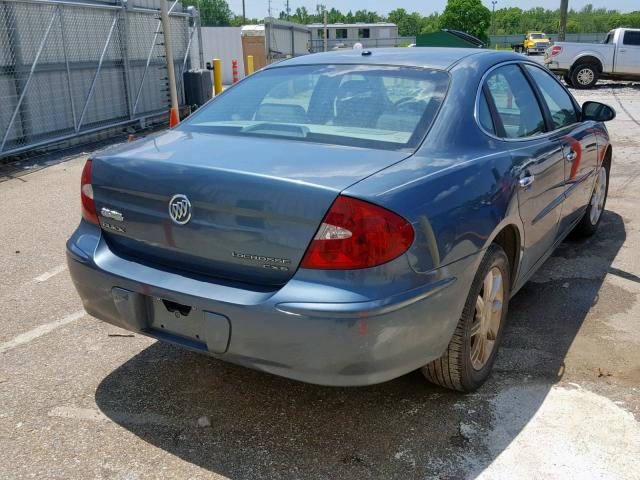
(80, 399)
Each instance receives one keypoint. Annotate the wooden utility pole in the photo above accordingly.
(174, 117)
(564, 6)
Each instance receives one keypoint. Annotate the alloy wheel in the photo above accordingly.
(599, 196)
(585, 76)
(487, 318)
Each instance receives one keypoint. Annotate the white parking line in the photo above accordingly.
(54, 271)
(39, 331)
(95, 415)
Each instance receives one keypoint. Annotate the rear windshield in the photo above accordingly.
(353, 105)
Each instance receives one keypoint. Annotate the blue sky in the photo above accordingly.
(258, 8)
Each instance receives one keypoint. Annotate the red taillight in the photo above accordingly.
(356, 234)
(555, 50)
(86, 195)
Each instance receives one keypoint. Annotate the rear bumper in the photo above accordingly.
(555, 66)
(309, 329)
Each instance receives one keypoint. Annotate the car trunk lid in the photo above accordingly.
(256, 203)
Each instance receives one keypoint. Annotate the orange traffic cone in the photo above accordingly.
(174, 118)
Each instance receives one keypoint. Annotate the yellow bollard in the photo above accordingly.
(249, 64)
(217, 76)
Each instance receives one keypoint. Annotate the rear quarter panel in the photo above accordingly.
(458, 190)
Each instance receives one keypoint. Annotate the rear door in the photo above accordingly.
(628, 53)
(537, 158)
(578, 141)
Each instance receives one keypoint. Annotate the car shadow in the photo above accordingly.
(241, 423)
(614, 84)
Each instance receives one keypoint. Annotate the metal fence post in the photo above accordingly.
(26, 85)
(15, 53)
(186, 55)
(200, 52)
(293, 42)
(146, 68)
(174, 115)
(123, 30)
(66, 61)
(95, 77)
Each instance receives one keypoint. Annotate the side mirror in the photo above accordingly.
(597, 111)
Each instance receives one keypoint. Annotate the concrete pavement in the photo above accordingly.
(82, 399)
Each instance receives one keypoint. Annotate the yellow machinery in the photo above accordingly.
(534, 42)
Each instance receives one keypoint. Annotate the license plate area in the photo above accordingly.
(172, 319)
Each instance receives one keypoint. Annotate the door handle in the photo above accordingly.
(572, 155)
(622, 50)
(526, 180)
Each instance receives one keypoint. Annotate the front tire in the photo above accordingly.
(467, 362)
(584, 75)
(592, 217)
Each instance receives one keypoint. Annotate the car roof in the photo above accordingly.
(440, 58)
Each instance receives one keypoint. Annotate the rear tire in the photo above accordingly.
(567, 79)
(584, 75)
(592, 217)
(467, 362)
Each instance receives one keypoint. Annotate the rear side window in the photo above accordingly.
(557, 99)
(354, 105)
(484, 115)
(631, 38)
(515, 102)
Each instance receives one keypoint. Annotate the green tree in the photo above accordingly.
(409, 24)
(430, 23)
(470, 16)
(365, 16)
(301, 15)
(586, 20)
(238, 21)
(213, 13)
(507, 20)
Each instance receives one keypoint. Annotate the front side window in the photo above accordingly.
(561, 107)
(341, 33)
(515, 102)
(631, 38)
(354, 105)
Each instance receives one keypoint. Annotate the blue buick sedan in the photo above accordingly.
(345, 218)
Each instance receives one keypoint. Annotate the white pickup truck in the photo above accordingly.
(582, 64)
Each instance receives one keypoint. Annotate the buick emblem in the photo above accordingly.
(180, 209)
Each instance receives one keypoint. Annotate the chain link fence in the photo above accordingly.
(71, 68)
(508, 40)
(317, 45)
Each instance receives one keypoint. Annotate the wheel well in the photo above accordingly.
(588, 59)
(509, 239)
(608, 156)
